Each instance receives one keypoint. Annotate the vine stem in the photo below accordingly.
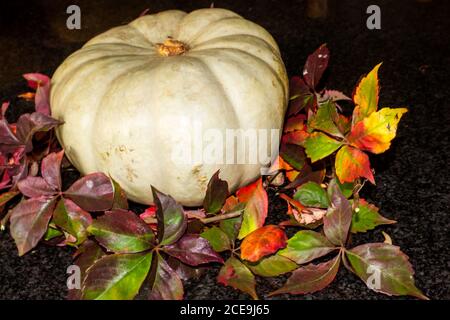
(206, 220)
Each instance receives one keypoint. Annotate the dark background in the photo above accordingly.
(412, 177)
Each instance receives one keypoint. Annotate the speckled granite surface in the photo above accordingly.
(413, 183)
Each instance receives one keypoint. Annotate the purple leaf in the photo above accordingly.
(337, 221)
(311, 278)
(300, 96)
(41, 83)
(235, 274)
(216, 194)
(6, 134)
(34, 187)
(72, 219)
(315, 65)
(93, 192)
(184, 271)
(384, 268)
(172, 221)
(28, 124)
(7, 196)
(3, 108)
(193, 250)
(29, 221)
(167, 284)
(122, 231)
(86, 256)
(50, 169)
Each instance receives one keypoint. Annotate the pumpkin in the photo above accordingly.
(132, 95)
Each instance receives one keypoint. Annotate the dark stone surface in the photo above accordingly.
(412, 177)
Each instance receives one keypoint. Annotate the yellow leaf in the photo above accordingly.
(366, 95)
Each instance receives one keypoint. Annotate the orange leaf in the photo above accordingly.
(29, 96)
(256, 206)
(262, 242)
(295, 137)
(365, 96)
(375, 132)
(352, 163)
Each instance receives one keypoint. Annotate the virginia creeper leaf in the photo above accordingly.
(272, 266)
(301, 96)
(231, 227)
(172, 221)
(28, 124)
(193, 250)
(346, 188)
(365, 96)
(122, 231)
(337, 221)
(29, 221)
(376, 132)
(305, 246)
(318, 145)
(352, 163)
(41, 83)
(262, 242)
(235, 274)
(366, 217)
(167, 284)
(218, 239)
(34, 187)
(315, 65)
(93, 192)
(216, 194)
(256, 206)
(120, 200)
(293, 154)
(384, 268)
(311, 278)
(50, 169)
(52, 233)
(311, 194)
(116, 276)
(323, 119)
(72, 219)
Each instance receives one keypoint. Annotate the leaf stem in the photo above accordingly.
(222, 217)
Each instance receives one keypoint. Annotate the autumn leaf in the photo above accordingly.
(318, 145)
(120, 200)
(193, 250)
(121, 231)
(305, 246)
(93, 192)
(256, 206)
(272, 266)
(337, 221)
(365, 96)
(72, 219)
(172, 220)
(366, 217)
(34, 187)
(167, 284)
(41, 83)
(384, 268)
(301, 96)
(235, 274)
(311, 194)
(376, 132)
(315, 65)
(294, 155)
(116, 276)
(310, 278)
(352, 163)
(323, 119)
(28, 124)
(29, 221)
(7, 196)
(262, 242)
(216, 194)
(50, 169)
(217, 238)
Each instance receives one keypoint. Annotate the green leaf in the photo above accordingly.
(366, 217)
(218, 239)
(346, 188)
(305, 246)
(120, 200)
(235, 274)
(293, 154)
(172, 221)
(216, 194)
(272, 266)
(52, 233)
(122, 231)
(337, 221)
(318, 145)
(72, 219)
(384, 268)
(311, 278)
(311, 194)
(232, 226)
(167, 284)
(116, 276)
(323, 119)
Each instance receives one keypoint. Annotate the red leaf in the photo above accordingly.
(263, 242)
(29, 221)
(50, 169)
(93, 192)
(311, 278)
(352, 163)
(34, 187)
(41, 83)
(256, 206)
(315, 65)
(167, 284)
(193, 250)
(3, 108)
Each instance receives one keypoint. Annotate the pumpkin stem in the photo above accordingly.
(171, 47)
